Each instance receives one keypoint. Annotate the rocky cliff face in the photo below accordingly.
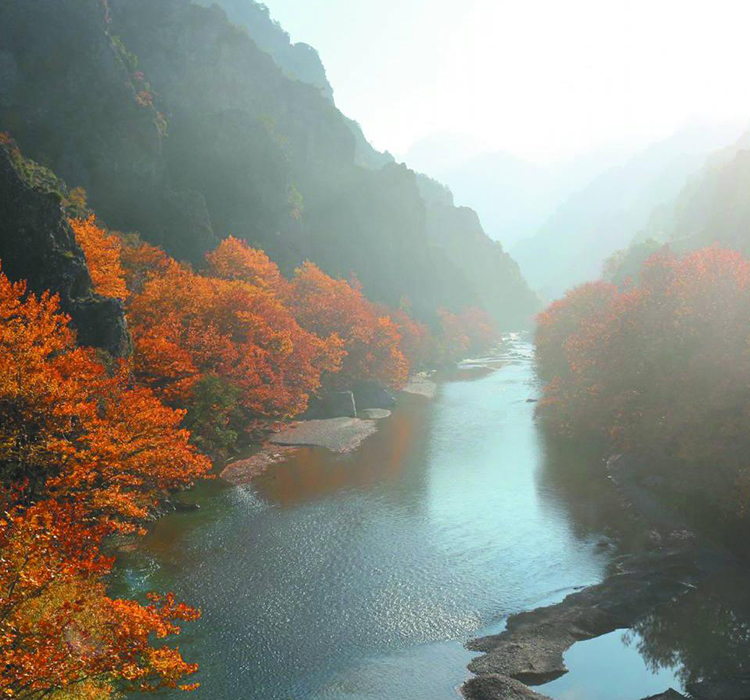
(299, 61)
(459, 234)
(38, 245)
(73, 98)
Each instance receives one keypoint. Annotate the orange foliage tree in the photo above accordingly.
(661, 369)
(228, 341)
(83, 453)
(140, 261)
(468, 332)
(71, 430)
(102, 251)
(59, 631)
(238, 342)
(417, 342)
(235, 260)
(332, 308)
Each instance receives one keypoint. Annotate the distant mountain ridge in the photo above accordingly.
(604, 216)
(712, 207)
(513, 196)
(299, 61)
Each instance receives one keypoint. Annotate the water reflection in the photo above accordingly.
(608, 667)
(395, 454)
(703, 635)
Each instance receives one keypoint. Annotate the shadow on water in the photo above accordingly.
(703, 635)
(572, 478)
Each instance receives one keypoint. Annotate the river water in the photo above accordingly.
(361, 576)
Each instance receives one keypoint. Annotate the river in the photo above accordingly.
(361, 576)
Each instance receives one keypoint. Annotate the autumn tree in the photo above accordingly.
(83, 453)
(140, 262)
(59, 631)
(661, 369)
(235, 260)
(197, 335)
(332, 308)
(564, 318)
(102, 251)
(71, 429)
(469, 332)
(417, 341)
(479, 329)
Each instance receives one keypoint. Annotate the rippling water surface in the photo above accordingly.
(361, 576)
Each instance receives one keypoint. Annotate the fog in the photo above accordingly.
(538, 79)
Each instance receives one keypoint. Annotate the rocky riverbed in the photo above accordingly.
(530, 651)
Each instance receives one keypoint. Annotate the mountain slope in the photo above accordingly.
(604, 216)
(713, 207)
(180, 127)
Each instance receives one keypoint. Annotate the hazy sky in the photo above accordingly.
(539, 78)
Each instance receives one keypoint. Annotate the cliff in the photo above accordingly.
(73, 98)
(38, 245)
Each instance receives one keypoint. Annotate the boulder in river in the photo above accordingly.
(340, 404)
(669, 694)
(334, 404)
(498, 687)
(373, 413)
(371, 395)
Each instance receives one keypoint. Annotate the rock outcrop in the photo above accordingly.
(497, 687)
(73, 97)
(38, 245)
(372, 395)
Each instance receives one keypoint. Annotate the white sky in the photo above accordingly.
(539, 78)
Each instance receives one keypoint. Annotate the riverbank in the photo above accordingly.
(668, 561)
(341, 435)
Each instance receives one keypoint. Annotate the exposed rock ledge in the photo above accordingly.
(421, 385)
(530, 650)
(340, 435)
(335, 434)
